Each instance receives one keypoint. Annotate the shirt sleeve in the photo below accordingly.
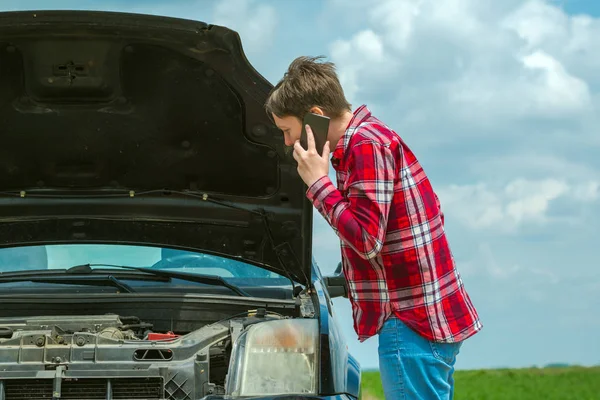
(361, 219)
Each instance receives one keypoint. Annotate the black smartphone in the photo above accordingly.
(320, 127)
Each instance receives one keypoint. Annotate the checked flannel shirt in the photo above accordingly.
(395, 254)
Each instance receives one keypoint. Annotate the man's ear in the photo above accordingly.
(317, 110)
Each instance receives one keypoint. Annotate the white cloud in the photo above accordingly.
(530, 200)
(588, 192)
(541, 88)
(397, 19)
(453, 59)
(538, 166)
(537, 22)
(506, 208)
(256, 22)
(366, 45)
(557, 89)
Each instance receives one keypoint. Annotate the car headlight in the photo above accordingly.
(275, 358)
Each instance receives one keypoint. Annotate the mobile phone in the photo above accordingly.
(320, 127)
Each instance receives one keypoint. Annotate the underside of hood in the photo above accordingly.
(135, 129)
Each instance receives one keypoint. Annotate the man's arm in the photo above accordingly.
(360, 221)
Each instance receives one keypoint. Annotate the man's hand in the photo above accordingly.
(311, 166)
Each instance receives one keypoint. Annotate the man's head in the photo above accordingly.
(307, 86)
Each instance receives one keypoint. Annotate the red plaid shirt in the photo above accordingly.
(395, 254)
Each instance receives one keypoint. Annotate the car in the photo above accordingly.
(155, 237)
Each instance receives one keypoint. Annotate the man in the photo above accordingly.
(403, 284)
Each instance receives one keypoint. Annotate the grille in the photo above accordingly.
(84, 389)
(139, 389)
(90, 389)
(28, 389)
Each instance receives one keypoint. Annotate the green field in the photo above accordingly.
(565, 383)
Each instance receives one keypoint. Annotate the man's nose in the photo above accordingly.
(288, 140)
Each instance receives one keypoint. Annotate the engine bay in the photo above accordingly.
(61, 329)
(114, 356)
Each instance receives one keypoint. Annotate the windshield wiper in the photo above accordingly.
(199, 278)
(61, 279)
(86, 275)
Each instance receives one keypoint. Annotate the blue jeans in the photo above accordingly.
(412, 367)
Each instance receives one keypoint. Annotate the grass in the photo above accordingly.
(551, 383)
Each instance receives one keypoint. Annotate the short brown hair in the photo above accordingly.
(306, 84)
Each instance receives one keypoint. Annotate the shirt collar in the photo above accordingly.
(359, 115)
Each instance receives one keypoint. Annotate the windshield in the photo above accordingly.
(17, 259)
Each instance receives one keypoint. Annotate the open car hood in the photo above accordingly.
(121, 128)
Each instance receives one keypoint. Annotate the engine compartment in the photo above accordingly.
(113, 355)
(60, 329)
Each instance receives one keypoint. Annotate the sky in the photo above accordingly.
(499, 100)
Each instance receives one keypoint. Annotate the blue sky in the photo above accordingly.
(499, 100)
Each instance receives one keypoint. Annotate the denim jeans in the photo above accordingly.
(412, 367)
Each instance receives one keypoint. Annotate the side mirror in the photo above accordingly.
(336, 284)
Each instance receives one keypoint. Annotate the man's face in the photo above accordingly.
(291, 127)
